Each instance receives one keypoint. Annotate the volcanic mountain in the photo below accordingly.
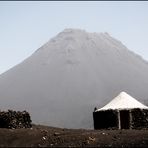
(62, 82)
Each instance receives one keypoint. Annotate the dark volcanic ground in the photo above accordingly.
(42, 136)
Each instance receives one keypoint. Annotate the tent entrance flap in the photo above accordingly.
(124, 119)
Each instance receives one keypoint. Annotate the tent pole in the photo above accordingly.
(130, 116)
(119, 122)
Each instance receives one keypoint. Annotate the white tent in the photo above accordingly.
(123, 112)
(123, 101)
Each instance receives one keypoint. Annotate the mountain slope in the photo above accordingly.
(62, 82)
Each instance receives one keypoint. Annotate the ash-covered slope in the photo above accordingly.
(62, 82)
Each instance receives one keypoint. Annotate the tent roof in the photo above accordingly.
(123, 101)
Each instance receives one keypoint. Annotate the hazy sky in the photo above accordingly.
(25, 26)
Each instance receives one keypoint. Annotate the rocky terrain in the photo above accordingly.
(43, 136)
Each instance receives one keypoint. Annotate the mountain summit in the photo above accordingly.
(62, 82)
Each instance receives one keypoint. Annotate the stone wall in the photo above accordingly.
(139, 118)
(109, 119)
(105, 119)
(15, 119)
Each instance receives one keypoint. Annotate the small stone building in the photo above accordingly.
(123, 112)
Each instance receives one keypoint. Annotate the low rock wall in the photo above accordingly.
(15, 119)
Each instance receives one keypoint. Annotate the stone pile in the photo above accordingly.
(15, 119)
